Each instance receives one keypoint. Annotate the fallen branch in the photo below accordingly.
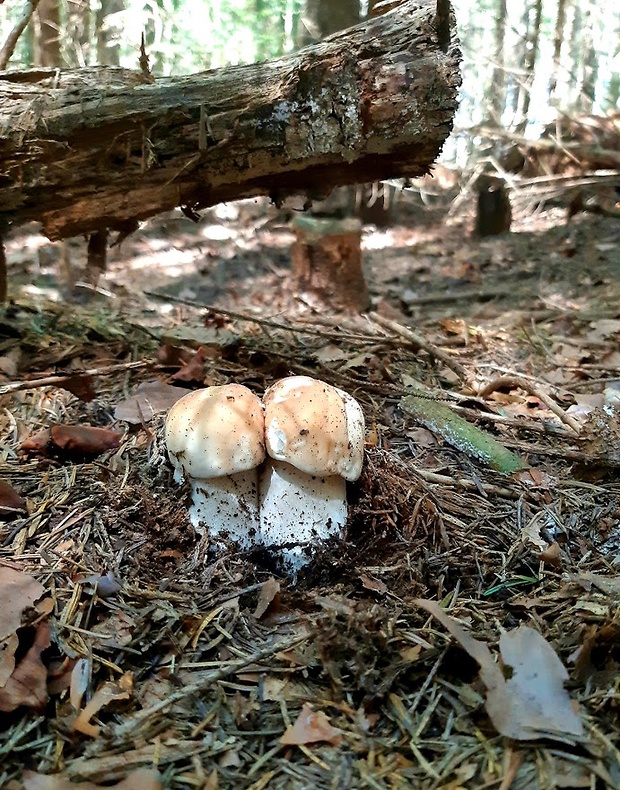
(512, 382)
(102, 148)
(58, 381)
(420, 342)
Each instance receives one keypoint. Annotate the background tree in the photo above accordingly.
(558, 40)
(496, 90)
(108, 30)
(322, 17)
(531, 55)
(47, 34)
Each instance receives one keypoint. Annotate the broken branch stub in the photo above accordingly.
(98, 148)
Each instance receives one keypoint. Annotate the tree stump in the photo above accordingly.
(327, 264)
(494, 214)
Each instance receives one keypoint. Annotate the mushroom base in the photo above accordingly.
(298, 510)
(226, 508)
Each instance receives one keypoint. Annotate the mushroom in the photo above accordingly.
(314, 436)
(215, 439)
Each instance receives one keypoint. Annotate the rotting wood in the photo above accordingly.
(93, 149)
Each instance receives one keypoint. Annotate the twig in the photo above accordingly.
(13, 37)
(468, 485)
(421, 343)
(261, 321)
(567, 454)
(480, 294)
(512, 422)
(53, 381)
(122, 732)
(536, 391)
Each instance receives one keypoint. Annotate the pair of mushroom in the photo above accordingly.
(270, 473)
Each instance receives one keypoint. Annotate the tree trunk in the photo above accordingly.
(518, 58)
(558, 39)
(590, 66)
(47, 35)
(79, 32)
(104, 148)
(497, 92)
(108, 48)
(327, 264)
(322, 17)
(613, 88)
(531, 54)
(575, 54)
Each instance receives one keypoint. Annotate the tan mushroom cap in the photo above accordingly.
(216, 431)
(317, 428)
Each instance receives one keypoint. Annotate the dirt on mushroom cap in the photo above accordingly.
(307, 424)
(216, 431)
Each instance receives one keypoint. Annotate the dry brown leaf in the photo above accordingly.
(311, 726)
(552, 555)
(600, 434)
(140, 779)
(18, 591)
(171, 356)
(84, 439)
(10, 501)
(116, 630)
(28, 682)
(8, 648)
(531, 534)
(106, 693)
(82, 386)
(9, 363)
(284, 688)
(603, 329)
(268, 592)
(375, 585)
(59, 675)
(610, 585)
(532, 703)
(80, 679)
(151, 398)
(330, 353)
(194, 368)
(363, 360)
(36, 442)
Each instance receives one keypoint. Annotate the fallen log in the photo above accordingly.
(96, 149)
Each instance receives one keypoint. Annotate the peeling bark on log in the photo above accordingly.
(99, 148)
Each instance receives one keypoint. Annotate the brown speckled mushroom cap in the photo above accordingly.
(216, 431)
(317, 428)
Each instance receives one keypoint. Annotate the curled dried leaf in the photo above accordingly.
(106, 693)
(311, 726)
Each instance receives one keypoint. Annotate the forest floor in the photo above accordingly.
(465, 635)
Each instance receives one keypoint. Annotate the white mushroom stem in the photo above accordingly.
(298, 510)
(226, 507)
(216, 439)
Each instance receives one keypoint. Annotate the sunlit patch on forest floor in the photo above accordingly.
(138, 651)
